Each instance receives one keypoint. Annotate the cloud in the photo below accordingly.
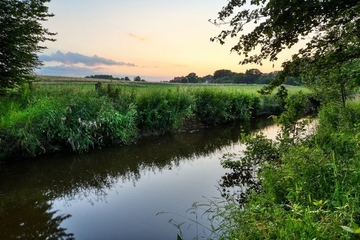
(66, 70)
(75, 58)
(136, 37)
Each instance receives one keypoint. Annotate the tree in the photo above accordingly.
(330, 29)
(281, 24)
(239, 78)
(252, 76)
(21, 33)
(192, 78)
(253, 71)
(222, 73)
(336, 83)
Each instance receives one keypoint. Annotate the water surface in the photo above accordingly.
(116, 192)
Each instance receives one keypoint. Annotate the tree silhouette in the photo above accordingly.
(21, 33)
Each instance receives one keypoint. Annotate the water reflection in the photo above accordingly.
(29, 189)
(30, 216)
(240, 181)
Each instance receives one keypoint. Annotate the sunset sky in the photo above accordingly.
(155, 39)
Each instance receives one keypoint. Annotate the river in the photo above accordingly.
(117, 192)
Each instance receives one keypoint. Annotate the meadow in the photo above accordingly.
(87, 84)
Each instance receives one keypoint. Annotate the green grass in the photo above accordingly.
(89, 84)
(68, 114)
(309, 188)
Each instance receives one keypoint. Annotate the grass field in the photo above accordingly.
(85, 84)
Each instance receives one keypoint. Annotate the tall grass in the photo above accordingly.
(164, 111)
(216, 106)
(53, 118)
(74, 122)
(312, 189)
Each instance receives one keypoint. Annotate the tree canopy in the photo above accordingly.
(137, 79)
(330, 29)
(281, 24)
(21, 33)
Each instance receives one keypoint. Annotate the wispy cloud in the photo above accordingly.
(137, 37)
(76, 58)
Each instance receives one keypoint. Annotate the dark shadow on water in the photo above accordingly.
(30, 216)
(239, 182)
(28, 188)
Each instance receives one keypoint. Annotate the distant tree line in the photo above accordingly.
(103, 77)
(138, 79)
(251, 76)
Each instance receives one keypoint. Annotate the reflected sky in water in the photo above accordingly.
(116, 192)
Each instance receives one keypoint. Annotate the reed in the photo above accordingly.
(214, 106)
(164, 111)
(77, 123)
(76, 117)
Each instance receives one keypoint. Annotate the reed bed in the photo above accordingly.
(75, 117)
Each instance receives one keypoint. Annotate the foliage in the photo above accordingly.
(330, 29)
(52, 124)
(214, 106)
(223, 76)
(192, 77)
(222, 73)
(336, 82)
(51, 118)
(21, 33)
(291, 128)
(102, 76)
(279, 25)
(137, 79)
(307, 187)
(164, 111)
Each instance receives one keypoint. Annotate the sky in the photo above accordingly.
(154, 39)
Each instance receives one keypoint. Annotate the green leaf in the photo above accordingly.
(347, 229)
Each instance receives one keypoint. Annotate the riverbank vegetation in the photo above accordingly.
(307, 187)
(46, 119)
(303, 186)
